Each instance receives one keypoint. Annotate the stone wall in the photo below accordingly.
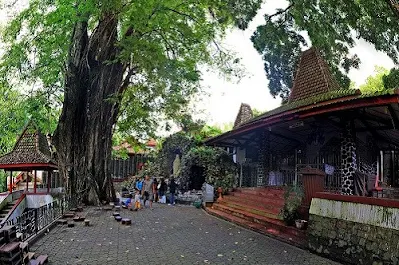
(354, 233)
(352, 242)
(263, 159)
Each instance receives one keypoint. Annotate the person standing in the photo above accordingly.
(172, 190)
(148, 191)
(155, 183)
(139, 184)
(162, 190)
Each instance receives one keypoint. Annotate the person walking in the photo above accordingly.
(148, 191)
(172, 190)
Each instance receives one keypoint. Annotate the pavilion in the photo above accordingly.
(30, 153)
(322, 125)
(340, 146)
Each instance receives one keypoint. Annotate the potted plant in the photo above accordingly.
(293, 197)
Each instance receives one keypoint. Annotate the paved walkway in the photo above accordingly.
(166, 235)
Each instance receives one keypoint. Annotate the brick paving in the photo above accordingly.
(166, 235)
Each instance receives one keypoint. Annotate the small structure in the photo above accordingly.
(137, 157)
(30, 153)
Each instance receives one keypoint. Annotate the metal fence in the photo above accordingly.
(32, 221)
(122, 168)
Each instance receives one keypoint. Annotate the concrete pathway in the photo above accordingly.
(166, 235)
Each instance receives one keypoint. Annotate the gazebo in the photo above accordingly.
(30, 153)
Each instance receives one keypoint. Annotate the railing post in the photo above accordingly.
(36, 221)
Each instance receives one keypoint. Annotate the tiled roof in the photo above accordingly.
(30, 148)
(152, 143)
(244, 115)
(313, 77)
(313, 83)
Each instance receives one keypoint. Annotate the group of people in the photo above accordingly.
(149, 190)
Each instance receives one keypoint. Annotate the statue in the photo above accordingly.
(176, 166)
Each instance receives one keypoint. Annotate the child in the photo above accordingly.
(137, 198)
(128, 202)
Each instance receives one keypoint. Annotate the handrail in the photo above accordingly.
(4, 221)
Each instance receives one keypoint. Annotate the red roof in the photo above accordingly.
(131, 150)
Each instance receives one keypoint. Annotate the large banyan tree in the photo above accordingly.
(114, 64)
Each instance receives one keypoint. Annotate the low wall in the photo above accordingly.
(355, 230)
(18, 210)
(38, 200)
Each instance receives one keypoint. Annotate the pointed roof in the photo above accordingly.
(244, 115)
(313, 77)
(31, 151)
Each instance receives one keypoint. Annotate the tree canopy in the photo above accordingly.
(115, 65)
(160, 44)
(330, 25)
(382, 79)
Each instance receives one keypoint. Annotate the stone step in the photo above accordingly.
(266, 204)
(28, 256)
(259, 219)
(33, 262)
(272, 212)
(263, 192)
(42, 259)
(296, 240)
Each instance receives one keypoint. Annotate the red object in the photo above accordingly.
(10, 189)
(313, 182)
(338, 104)
(140, 165)
(34, 184)
(358, 199)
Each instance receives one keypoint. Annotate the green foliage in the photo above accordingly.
(257, 112)
(160, 44)
(329, 25)
(218, 165)
(391, 80)
(383, 80)
(293, 197)
(375, 83)
(178, 143)
(16, 110)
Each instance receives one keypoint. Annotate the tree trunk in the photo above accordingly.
(83, 137)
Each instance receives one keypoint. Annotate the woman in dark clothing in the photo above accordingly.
(172, 189)
(162, 188)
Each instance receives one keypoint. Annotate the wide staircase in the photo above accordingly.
(258, 209)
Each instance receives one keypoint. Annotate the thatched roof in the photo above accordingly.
(244, 114)
(30, 150)
(313, 77)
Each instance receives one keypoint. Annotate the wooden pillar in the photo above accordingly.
(27, 181)
(35, 181)
(10, 189)
(48, 181)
